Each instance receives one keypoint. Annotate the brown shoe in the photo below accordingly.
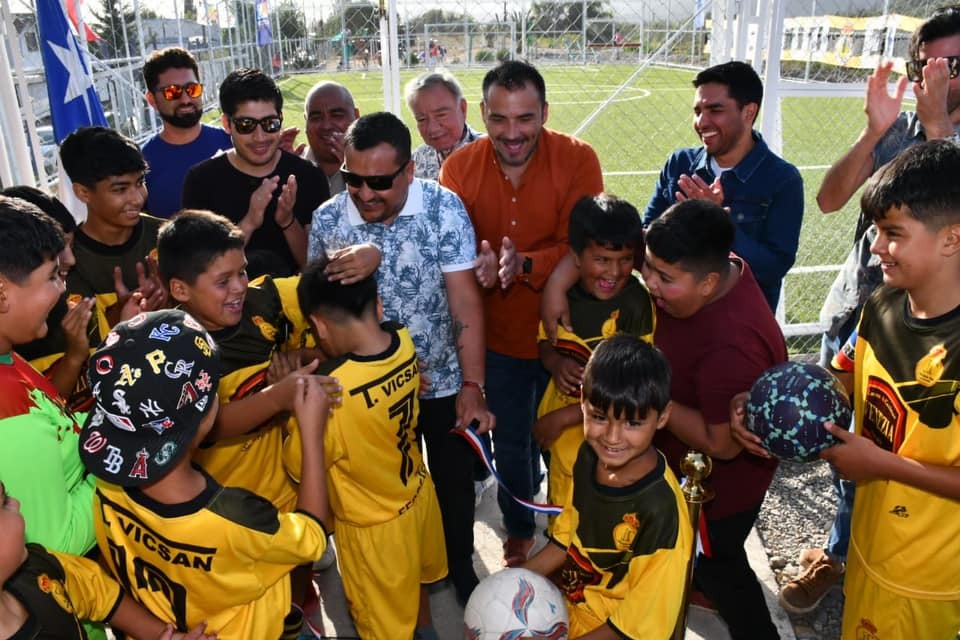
(808, 557)
(803, 593)
(515, 551)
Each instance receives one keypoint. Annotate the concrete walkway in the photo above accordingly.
(488, 537)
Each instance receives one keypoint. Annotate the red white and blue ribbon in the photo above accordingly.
(478, 445)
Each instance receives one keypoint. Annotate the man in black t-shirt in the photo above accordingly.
(269, 193)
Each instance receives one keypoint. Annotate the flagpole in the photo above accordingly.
(30, 116)
(176, 13)
(22, 171)
(82, 28)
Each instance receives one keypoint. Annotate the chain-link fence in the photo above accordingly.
(618, 74)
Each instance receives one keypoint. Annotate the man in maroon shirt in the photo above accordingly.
(718, 334)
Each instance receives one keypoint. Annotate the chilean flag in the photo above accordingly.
(72, 7)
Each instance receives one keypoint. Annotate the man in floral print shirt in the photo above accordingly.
(426, 282)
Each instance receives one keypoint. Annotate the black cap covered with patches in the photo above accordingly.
(153, 380)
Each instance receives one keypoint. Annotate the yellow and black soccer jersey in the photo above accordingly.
(222, 557)
(593, 320)
(374, 466)
(627, 550)
(59, 590)
(92, 275)
(907, 379)
(271, 320)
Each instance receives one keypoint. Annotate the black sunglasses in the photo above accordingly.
(377, 183)
(270, 124)
(915, 68)
(174, 91)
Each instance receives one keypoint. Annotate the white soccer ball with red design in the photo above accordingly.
(516, 603)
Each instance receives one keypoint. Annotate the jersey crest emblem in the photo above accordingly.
(930, 367)
(609, 327)
(866, 630)
(54, 588)
(267, 330)
(626, 532)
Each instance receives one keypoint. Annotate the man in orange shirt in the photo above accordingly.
(519, 185)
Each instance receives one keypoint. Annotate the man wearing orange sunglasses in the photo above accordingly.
(172, 78)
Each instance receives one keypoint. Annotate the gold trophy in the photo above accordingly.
(695, 467)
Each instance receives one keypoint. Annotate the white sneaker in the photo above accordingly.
(480, 487)
(328, 559)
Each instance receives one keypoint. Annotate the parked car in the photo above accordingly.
(49, 149)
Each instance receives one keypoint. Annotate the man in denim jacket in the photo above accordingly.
(736, 169)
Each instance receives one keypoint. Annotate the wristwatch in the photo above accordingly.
(527, 267)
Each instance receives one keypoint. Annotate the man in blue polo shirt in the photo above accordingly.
(734, 168)
(173, 85)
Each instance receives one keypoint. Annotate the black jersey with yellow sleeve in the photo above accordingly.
(374, 466)
(222, 557)
(92, 276)
(907, 401)
(93, 273)
(58, 590)
(631, 311)
(593, 320)
(271, 320)
(627, 549)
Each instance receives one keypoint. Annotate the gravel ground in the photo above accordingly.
(797, 514)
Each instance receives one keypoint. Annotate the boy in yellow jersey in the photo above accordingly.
(203, 265)
(605, 235)
(45, 594)
(385, 511)
(186, 547)
(623, 540)
(114, 273)
(904, 556)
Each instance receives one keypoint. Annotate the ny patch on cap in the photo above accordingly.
(153, 379)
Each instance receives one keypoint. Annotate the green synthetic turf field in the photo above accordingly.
(650, 118)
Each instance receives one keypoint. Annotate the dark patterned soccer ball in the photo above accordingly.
(788, 405)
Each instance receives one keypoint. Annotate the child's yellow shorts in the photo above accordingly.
(872, 612)
(383, 566)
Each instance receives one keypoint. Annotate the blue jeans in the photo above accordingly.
(839, 539)
(514, 388)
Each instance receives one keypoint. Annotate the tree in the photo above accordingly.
(293, 24)
(190, 10)
(245, 20)
(117, 25)
(437, 16)
(565, 17)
